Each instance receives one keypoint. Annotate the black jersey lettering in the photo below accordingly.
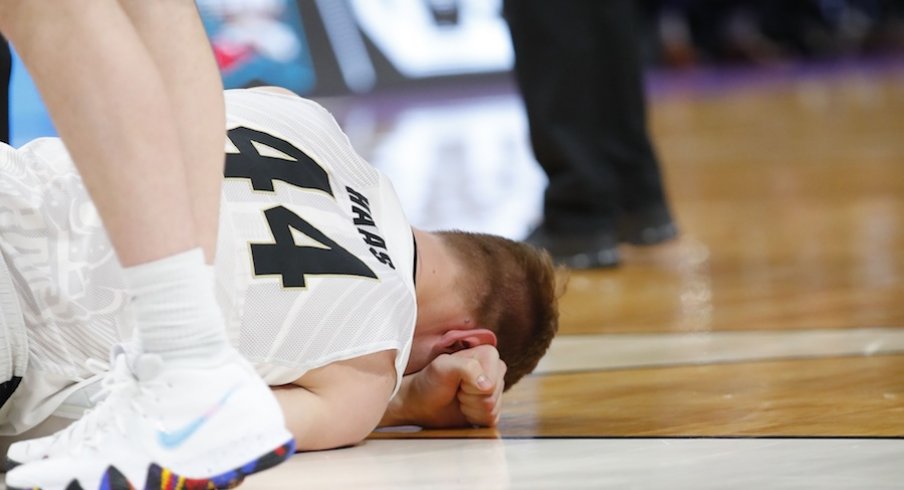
(284, 257)
(383, 257)
(358, 199)
(363, 218)
(372, 239)
(292, 261)
(262, 170)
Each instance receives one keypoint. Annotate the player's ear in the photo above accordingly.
(456, 340)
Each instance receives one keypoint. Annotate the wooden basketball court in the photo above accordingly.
(765, 347)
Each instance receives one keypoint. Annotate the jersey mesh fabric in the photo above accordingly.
(287, 331)
(65, 274)
(71, 290)
(61, 263)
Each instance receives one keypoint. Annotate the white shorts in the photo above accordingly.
(62, 292)
(13, 341)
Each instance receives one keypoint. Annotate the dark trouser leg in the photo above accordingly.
(579, 69)
(5, 70)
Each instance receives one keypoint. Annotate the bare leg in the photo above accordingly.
(135, 96)
(175, 37)
(109, 103)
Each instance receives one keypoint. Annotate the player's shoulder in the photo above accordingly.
(270, 89)
(273, 93)
(271, 101)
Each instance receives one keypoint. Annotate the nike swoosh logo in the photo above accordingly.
(174, 439)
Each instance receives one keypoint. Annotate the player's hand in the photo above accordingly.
(455, 390)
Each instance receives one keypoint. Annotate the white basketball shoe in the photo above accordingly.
(162, 427)
(79, 406)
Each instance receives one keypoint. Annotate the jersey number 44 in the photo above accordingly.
(284, 257)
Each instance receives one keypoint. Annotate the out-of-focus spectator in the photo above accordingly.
(764, 31)
(578, 65)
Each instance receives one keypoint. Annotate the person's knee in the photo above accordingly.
(9, 12)
(17, 17)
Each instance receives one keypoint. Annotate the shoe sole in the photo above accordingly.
(163, 479)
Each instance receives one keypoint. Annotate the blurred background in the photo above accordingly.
(777, 313)
(422, 84)
(342, 47)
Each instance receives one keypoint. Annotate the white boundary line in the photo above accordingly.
(624, 351)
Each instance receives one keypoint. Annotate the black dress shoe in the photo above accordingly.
(648, 226)
(583, 250)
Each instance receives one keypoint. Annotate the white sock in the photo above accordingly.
(176, 312)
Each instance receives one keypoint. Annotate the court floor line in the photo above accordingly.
(392, 431)
(595, 463)
(578, 353)
(680, 437)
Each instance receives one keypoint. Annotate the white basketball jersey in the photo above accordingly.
(315, 258)
(68, 283)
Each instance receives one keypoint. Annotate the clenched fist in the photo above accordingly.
(455, 390)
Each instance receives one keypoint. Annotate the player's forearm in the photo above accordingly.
(396, 413)
(339, 404)
(405, 407)
(316, 424)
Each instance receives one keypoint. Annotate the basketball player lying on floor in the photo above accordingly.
(326, 288)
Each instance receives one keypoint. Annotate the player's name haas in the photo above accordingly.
(363, 220)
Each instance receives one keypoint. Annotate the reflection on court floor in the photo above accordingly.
(597, 463)
(764, 349)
